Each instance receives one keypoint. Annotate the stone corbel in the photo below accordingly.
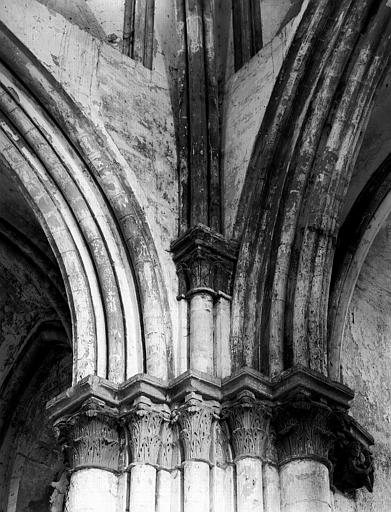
(195, 418)
(248, 420)
(144, 423)
(90, 437)
(350, 456)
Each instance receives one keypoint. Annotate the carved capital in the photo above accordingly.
(167, 445)
(195, 419)
(204, 259)
(222, 452)
(351, 459)
(303, 429)
(248, 421)
(90, 437)
(144, 423)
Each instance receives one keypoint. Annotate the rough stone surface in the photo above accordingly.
(366, 363)
(116, 144)
(247, 95)
(275, 15)
(21, 309)
(128, 103)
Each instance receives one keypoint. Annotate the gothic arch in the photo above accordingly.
(92, 219)
(297, 178)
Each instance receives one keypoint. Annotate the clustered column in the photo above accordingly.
(205, 262)
(156, 451)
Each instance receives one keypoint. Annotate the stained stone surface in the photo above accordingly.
(366, 364)
(139, 156)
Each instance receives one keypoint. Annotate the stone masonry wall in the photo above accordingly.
(366, 368)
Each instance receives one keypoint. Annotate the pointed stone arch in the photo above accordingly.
(297, 178)
(97, 230)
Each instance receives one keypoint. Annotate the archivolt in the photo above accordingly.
(296, 181)
(86, 212)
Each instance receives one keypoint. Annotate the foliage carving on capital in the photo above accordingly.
(195, 418)
(205, 271)
(90, 437)
(303, 429)
(144, 423)
(222, 452)
(167, 445)
(248, 421)
(204, 259)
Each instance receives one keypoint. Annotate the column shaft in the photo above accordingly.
(222, 332)
(176, 491)
(305, 487)
(249, 485)
(92, 490)
(142, 488)
(222, 489)
(163, 491)
(196, 486)
(201, 332)
(271, 488)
